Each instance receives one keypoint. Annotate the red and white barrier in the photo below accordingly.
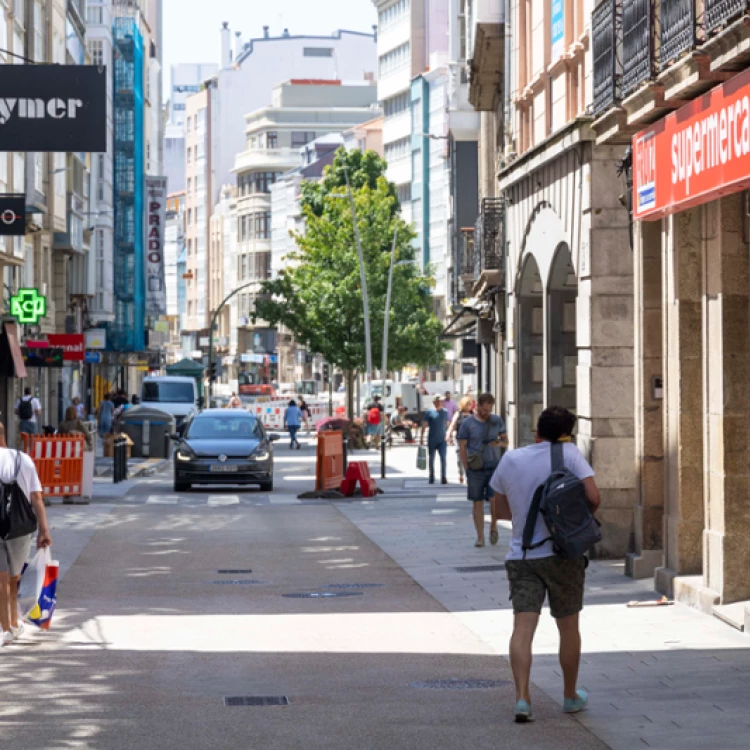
(271, 412)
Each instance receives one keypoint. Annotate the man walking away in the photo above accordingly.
(28, 411)
(437, 421)
(540, 572)
(17, 467)
(450, 406)
(480, 439)
(292, 421)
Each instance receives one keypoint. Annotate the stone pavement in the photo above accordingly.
(663, 677)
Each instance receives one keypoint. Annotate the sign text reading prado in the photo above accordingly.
(695, 154)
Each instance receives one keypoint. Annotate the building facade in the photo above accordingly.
(684, 183)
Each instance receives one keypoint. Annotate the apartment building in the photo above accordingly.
(280, 138)
(174, 247)
(671, 99)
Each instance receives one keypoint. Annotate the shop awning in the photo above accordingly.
(11, 357)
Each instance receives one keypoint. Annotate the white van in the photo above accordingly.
(175, 395)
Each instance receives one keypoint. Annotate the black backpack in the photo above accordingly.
(573, 529)
(17, 517)
(25, 409)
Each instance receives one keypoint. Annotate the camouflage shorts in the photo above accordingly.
(532, 580)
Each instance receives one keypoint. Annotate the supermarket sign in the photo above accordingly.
(71, 345)
(695, 154)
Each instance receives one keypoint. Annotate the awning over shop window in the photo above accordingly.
(11, 357)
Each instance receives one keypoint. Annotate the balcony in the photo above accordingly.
(272, 160)
(607, 42)
(638, 63)
(486, 66)
(489, 256)
(720, 13)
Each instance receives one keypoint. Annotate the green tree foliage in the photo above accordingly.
(319, 298)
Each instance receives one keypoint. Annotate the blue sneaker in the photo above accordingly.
(574, 705)
(523, 712)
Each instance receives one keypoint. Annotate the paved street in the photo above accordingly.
(150, 637)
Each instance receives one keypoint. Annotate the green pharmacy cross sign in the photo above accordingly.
(28, 306)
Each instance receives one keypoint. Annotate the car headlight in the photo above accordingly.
(260, 455)
(183, 455)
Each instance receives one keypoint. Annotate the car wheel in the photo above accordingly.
(267, 486)
(181, 486)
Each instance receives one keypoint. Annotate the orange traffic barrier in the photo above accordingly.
(59, 463)
(329, 469)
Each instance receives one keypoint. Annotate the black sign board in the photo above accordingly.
(53, 108)
(47, 356)
(12, 215)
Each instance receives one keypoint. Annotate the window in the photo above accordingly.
(318, 52)
(404, 193)
(39, 31)
(393, 14)
(96, 50)
(189, 156)
(189, 185)
(395, 59)
(190, 216)
(396, 104)
(272, 140)
(262, 225)
(397, 150)
(179, 108)
(95, 15)
(243, 273)
(189, 247)
(189, 121)
(301, 138)
(190, 308)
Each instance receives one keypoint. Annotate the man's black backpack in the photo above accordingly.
(561, 500)
(17, 517)
(25, 409)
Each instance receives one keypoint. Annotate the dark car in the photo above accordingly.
(223, 446)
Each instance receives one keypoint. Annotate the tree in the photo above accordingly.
(318, 296)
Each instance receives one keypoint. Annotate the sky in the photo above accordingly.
(191, 27)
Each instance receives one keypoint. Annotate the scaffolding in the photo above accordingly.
(127, 333)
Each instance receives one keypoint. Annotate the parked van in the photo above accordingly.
(175, 395)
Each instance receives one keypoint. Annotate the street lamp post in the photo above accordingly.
(385, 347)
(211, 335)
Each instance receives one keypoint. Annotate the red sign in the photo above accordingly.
(695, 154)
(71, 344)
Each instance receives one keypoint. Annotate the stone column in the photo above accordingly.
(647, 552)
(683, 410)
(726, 550)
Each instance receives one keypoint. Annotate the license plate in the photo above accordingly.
(221, 468)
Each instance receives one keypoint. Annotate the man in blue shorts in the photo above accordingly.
(480, 439)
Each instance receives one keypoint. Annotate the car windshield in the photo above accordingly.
(168, 393)
(224, 427)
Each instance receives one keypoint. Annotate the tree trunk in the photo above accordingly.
(350, 393)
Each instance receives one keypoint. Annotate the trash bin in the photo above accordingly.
(149, 429)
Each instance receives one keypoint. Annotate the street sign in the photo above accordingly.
(92, 358)
(12, 215)
(28, 306)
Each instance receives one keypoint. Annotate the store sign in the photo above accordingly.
(71, 343)
(92, 358)
(12, 215)
(47, 356)
(28, 306)
(156, 214)
(696, 154)
(557, 32)
(53, 108)
(96, 338)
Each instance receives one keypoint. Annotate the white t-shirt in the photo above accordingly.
(517, 476)
(28, 479)
(36, 405)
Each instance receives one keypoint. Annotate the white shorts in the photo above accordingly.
(14, 553)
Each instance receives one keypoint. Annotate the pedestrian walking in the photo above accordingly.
(305, 409)
(374, 420)
(80, 408)
(120, 398)
(436, 421)
(19, 483)
(480, 438)
(235, 402)
(292, 421)
(450, 405)
(538, 572)
(29, 412)
(105, 414)
(465, 409)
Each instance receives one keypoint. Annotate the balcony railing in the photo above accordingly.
(606, 32)
(717, 13)
(637, 44)
(488, 237)
(677, 20)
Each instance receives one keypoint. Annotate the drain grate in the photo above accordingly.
(234, 572)
(237, 583)
(256, 700)
(354, 585)
(322, 594)
(454, 684)
(480, 568)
